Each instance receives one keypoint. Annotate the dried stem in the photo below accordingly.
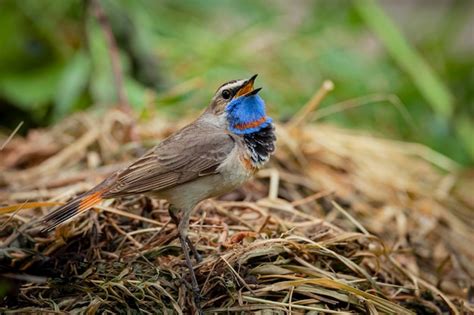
(104, 23)
(305, 112)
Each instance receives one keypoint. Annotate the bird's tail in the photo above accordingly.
(71, 209)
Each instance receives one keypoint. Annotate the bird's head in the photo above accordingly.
(242, 107)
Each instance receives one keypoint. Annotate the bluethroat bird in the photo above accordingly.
(216, 153)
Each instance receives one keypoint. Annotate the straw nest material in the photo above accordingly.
(340, 222)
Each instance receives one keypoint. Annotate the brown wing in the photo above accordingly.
(195, 151)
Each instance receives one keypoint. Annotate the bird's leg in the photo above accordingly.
(194, 283)
(191, 246)
(193, 249)
(186, 246)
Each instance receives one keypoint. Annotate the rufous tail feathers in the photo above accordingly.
(71, 209)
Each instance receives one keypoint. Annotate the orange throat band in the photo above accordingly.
(251, 124)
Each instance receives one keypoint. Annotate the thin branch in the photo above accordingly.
(104, 23)
(305, 112)
(10, 137)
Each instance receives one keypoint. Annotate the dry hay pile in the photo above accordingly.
(339, 223)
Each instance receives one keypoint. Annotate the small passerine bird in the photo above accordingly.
(215, 154)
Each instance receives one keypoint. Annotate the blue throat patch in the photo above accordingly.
(246, 114)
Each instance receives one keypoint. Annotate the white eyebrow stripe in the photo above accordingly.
(231, 85)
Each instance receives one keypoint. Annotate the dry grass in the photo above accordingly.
(340, 222)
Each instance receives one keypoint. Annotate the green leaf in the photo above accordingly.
(136, 93)
(102, 87)
(426, 80)
(32, 89)
(73, 82)
(465, 130)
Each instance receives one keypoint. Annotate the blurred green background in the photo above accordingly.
(389, 60)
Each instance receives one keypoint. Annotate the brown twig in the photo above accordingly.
(304, 113)
(113, 52)
(10, 137)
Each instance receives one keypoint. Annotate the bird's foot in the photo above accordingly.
(197, 297)
(194, 284)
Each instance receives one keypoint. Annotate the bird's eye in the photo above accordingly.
(226, 94)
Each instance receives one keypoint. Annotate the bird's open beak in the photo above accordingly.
(247, 87)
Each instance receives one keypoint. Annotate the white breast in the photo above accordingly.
(231, 174)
